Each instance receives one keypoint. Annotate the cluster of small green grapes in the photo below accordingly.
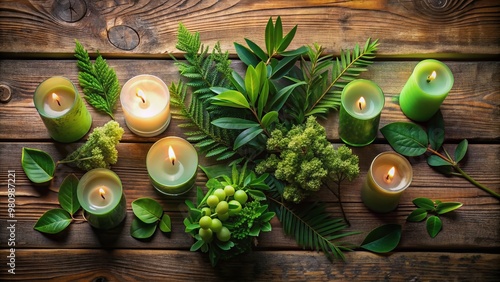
(222, 204)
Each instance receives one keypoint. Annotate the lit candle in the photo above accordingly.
(389, 175)
(145, 100)
(100, 194)
(425, 90)
(361, 105)
(172, 164)
(62, 109)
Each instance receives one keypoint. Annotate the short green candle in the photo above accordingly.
(62, 109)
(100, 194)
(362, 102)
(425, 90)
(389, 175)
(172, 164)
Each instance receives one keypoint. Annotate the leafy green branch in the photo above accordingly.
(426, 206)
(148, 216)
(411, 140)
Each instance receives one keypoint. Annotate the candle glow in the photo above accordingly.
(171, 155)
(361, 103)
(56, 98)
(390, 175)
(431, 77)
(139, 93)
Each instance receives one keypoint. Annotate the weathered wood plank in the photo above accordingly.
(471, 110)
(107, 265)
(149, 28)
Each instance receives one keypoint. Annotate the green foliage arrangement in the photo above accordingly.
(98, 80)
(437, 207)
(412, 140)
(99, 151)
(148, 216)
(267, 117)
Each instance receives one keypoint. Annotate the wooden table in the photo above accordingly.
(37, 42)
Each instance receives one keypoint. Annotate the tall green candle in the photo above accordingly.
(362, 102)
(100, 194)
(172, 164)
(62, 109)
(389, 175)
(425, 90)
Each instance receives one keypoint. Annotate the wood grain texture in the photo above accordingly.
(455, 30)
(471, 110)
(161, 265)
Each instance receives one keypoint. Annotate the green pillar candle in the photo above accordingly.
(100, 194)
(62, 109)
(389, 175)
(172, 164)
(362, 102)
(424, 91)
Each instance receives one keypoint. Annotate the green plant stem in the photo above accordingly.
(337, 194)
(259, 121)
(429, 149)
(479, 185)
(73, 160)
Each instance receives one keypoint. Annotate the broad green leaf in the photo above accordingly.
(264, 95)
(269, 37)
(269, 118)
(246, 136)
(53, 221)
(197, 245)
(165, 223)
(442, 208)
(245, 55)
(67, 194)
(257, 50)
(424, 203)
(252, 84)
(231, 98)
(226, 246)
(283, 67)
(382, 239)
(142, 230)
(257, 195)
(217, 90)
(461, 150)
(38, 165)
(278, 32)
(286, 40)
(435, 131)
(417, 215)
(147, 210)
(234, 123)
(237, 81)
(297, 52)
(215, 171)
(434, 160)
(406, 138)
(434, 225)
(281, 97)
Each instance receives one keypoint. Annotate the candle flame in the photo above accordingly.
(361, 103)
(390, 175)
(102, 193)
(171, 154)
(141, 95)
(56, 98)
(431, 77)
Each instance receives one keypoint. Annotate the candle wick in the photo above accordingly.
(58, 103)
(173, 161)
(102, 196)
(359, 104)
(429, 79)
(387, 177)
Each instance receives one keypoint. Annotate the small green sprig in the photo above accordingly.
(149, 215)
(99, 82)
(427, 206)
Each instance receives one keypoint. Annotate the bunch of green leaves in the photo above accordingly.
(148, 215)
(412, 140)
(56, 220)
(426, 206)
(99, 151)
(98, 81)
(244, 225)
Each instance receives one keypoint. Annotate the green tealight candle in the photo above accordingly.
(362, 102)
(100, 194)
(425, 90)
(172, 164)
(389, 175)
(62, 109)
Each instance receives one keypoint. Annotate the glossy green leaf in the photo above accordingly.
(417, 215)
(234, 123)
(285, 42)
(461, 150)
(215, 171)
(281, 97)
(197, 245)
(257, 50)
(269, 37)
(383, 239)
(434, 160)
(246, 55)
(252, 84)
(147, 210)
(237, 81)
(67, 194)
(434, 225)
(257, 195)
(297, 52)
(424, 203)
(269, 118)
(246, 136)
(283, 67)
(53, 221)
(142, 230)
(231, 98)
(435, 131)
(406, 138)
(38, 165)
(278, 33)
(442, 208)
(263, 97)
(226, 246)
(165, 223)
